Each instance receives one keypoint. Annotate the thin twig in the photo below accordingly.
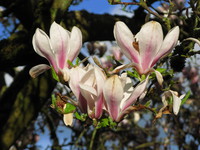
(92, 139)
(79, 137)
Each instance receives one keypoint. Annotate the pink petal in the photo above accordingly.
(138, 90)
(75, 43)
(113, 94)
(150, 39)
(100, 79)
(75, 76)
(39, 69)
(60, 43)
(168, 44)
(125, 39)
(89, 93)
(42, 46)
(99, 104)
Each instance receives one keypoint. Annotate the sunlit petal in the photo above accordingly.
(137, 91)
(150, 39)
(168, 44)
(125, 39)
(113, 93)
(60, 43)
(75, 43)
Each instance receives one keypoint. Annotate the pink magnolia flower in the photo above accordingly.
(119, 95)
(91, 87)
(60, 47)
(147, 47)
(87, 85)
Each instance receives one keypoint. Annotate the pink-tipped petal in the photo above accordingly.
(42, 46)
(100, 79)
(113, 94)
(150, 39)
(60, 43)
(168, 44)
(76, 75)
(137, 91)
(99, 104)
(90, 94)
(75, 43)
(37, 70)
(125, 39)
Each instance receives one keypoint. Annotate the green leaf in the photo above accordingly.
(112, 123)
(133, 74)
(185, 98)
(148, 103)
(161, 70)
(69, 108)
(81, 117)
(103, 123)
(70, 63)
(54, 74)
(77, 61)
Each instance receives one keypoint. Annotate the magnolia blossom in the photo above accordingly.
(176, 100)
(60, 47)
(87, 85)
(91, 87)
(119, 95)
(147, 47)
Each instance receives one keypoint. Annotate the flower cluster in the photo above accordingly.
(96, 90)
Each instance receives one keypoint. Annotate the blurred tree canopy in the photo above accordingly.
(25, 99)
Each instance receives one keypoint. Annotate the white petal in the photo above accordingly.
(89, 93)
(60, 43)
(168, 44)
(113, 94)
(125, 39)
(176, 104)
(37, 70)
(41, 43)
(150, 39)
(76, 75)
(75, 43)
(68, 119)
(128, 89)
(159, 77)
(137, 91)
(100, 80)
